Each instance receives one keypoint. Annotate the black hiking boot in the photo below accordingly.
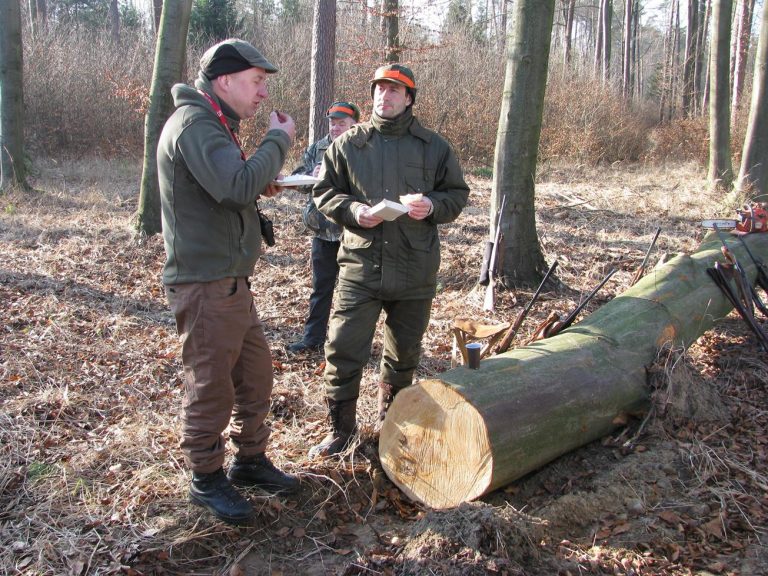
(301, 347)
(214, 492)
(343, 425)
(258, 471)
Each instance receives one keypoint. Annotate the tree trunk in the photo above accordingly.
(689, 65)
(452, 440)
(12, 168)
(627, 67)
(33, 28)
(598, 63)
(700, 50)
(674, 92)
(42, 14)
(157, 13)
(569, 8)
(637, 67)
(517, 141)
(743, 37)
(703, 89)
(169, 62)
(720, 167)
(38, 16)
(607, 40)
(665, 102)
(391, 23)
(503, 24)
(753, 175)
(603, 52)
(114, 21)
(323, 66)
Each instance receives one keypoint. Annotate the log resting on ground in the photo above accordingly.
(453, 439)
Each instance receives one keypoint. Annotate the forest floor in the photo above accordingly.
(91, 478)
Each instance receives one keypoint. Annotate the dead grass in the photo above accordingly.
(90, 479)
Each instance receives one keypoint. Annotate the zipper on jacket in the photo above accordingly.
(241, 236)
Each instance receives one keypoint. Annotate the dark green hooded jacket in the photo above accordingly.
(208, 193)
(395, 260)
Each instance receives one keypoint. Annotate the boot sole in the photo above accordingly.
(234, 520)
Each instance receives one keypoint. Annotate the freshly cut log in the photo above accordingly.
(450, 440)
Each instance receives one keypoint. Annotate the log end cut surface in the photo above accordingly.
(434, 446)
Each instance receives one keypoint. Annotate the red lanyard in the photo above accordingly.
(220, 116)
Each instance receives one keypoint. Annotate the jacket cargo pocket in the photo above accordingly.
(358, 261)
(354, 241)
(423, 255)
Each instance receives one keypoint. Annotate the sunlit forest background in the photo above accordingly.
(88, 67)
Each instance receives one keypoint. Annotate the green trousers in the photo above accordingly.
(350, 336)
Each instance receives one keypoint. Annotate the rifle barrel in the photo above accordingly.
(648, 252)
(489, 302)
(572, 316)
(512, 330)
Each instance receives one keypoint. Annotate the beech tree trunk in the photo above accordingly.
(517, 142)
(453, 439)
(170, 52)
(114, 21)
(569, 9)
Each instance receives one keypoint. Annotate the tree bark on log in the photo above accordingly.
(450, 440)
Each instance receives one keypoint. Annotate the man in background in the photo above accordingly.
(325, 243)
(388, 266)
(212, 236)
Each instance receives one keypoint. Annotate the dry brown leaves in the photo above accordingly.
(90, 478)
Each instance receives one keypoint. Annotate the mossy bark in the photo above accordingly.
(453, 439)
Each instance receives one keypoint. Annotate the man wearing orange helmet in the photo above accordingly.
(388, 266)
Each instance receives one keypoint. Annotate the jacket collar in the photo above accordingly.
(364, 132)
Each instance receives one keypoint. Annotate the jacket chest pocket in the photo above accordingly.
(418, 178)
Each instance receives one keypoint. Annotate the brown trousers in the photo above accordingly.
(227, 370)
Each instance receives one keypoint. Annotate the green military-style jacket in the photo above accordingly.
(395, 260)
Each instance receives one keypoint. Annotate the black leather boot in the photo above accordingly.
(259, 471)
(214, 492)
(343, 425)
